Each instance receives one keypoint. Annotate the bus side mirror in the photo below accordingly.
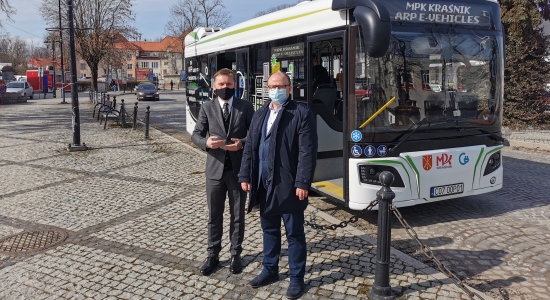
(376, 29)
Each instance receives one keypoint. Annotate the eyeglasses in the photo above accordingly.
(274, 87)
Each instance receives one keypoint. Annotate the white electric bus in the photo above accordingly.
(410, 87)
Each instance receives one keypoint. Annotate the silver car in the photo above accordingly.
(20, 87)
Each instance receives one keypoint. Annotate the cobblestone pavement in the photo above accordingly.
(135, 212)
(498, 242)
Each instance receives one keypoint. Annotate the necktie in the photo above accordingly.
(225, 111)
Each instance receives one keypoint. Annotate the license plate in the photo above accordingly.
(444, 190)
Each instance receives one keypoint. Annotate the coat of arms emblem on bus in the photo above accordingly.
(427, 162)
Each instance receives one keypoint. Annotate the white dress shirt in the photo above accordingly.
(272, 116)
(229, 106)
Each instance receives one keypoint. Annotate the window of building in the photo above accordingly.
(83, 66)
(145, 64)
(129, 55)
(155, 65)
(166, 63)
(130, 66)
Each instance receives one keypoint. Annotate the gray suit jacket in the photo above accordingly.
(210, 123)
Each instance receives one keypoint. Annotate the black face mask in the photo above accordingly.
(225, 93)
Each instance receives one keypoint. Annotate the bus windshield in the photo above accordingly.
(436, 75)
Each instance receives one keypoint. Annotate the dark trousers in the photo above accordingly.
(297, 250)
(216, 191)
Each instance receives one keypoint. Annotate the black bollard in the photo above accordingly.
(122, 114)
(147, 123)
(381, 289)
(135, 116)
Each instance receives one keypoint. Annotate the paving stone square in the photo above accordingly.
(135, 212)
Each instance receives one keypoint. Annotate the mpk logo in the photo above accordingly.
(444, 161)
(427, 162)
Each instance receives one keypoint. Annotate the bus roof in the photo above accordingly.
(305, 17)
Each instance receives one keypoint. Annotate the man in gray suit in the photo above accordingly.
(221, 131)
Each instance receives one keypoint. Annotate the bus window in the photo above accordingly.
(326, 64)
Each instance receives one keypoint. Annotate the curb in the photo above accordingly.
(529, 145)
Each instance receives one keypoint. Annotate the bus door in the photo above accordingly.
(326, 61)
(209, 70)
(242, 74)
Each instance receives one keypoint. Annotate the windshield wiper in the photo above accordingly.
(416, 126)
(495, 137)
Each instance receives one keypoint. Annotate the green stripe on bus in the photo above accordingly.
(416, 171)
(262, 25)
(194, 35)
(475, 167)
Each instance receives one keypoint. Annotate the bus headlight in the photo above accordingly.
(493, 164)
(370, 174)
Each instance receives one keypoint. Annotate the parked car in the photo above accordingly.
(147, 91)
(20, 87)
(362, 91)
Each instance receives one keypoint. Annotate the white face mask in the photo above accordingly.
(278, 95)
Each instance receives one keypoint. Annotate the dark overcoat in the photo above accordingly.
(292, 157)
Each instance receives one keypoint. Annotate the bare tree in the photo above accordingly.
(100, 24)
(186, 15)
(274, 9)
(6, 9)
(38, 51)
(15, 50)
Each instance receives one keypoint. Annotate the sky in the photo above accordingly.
(151, 17)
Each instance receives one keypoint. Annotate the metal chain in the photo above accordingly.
(429, 254)
(312, 219)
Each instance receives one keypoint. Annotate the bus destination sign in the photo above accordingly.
(293, 50)
(442, 13)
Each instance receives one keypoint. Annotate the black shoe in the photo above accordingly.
(236, 265)
(209, 266)
(295, 290)
(263, 279)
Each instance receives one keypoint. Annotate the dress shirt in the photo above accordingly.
(272, 115)
(229, 106)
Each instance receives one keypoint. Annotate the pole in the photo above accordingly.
(76, 146)
(381, 289)
(61, 47)
(135, 116)
(54, 63)
(147, 113)
(122, 114)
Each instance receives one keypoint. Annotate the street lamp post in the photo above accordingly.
(54, 63)
(76, 146)
(61, 52)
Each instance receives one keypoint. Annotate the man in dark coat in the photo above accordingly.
(277, 169)
(221, 130)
